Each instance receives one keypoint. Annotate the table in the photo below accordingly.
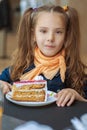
(56, 117)
(9, 123)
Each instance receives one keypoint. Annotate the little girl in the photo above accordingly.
(48, 47)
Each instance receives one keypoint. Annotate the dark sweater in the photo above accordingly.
(53, 85)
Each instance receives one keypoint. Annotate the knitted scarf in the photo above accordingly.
(48, 66)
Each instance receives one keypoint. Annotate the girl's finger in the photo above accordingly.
(5, 90)
(71, 100)
(60, 98)
(65, 99)
(10, 87)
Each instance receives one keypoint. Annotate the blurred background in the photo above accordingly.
(10, 14)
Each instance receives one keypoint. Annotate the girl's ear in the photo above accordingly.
(33, 34)
(34, 38)
(32, 30)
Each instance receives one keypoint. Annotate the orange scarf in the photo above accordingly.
(48, 66)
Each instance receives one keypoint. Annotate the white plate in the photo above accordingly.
(50, 99)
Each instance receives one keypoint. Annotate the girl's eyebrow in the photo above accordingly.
(55, 28)
(60, 28)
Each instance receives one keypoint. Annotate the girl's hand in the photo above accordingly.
(6, 86)
(67, 97)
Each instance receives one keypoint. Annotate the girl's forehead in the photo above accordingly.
(50, 14)
(50, 17)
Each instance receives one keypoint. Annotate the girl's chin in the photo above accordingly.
(49, 55)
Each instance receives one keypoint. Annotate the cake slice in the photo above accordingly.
(32, 91)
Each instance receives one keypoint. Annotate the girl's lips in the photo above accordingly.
(49, 46)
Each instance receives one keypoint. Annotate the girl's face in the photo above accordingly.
(50, 33)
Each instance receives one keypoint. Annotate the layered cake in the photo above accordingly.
(32, 91)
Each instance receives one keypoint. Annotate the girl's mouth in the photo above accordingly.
(49, 46)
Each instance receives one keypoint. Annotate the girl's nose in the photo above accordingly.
(51, 37)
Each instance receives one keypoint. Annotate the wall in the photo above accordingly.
(81, 6)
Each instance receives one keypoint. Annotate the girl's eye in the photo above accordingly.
(43, 31)
(59, 32)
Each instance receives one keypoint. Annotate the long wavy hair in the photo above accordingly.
(24, 55)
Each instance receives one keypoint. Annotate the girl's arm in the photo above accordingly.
(5, 75)
(67, 96)
(5, 80)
